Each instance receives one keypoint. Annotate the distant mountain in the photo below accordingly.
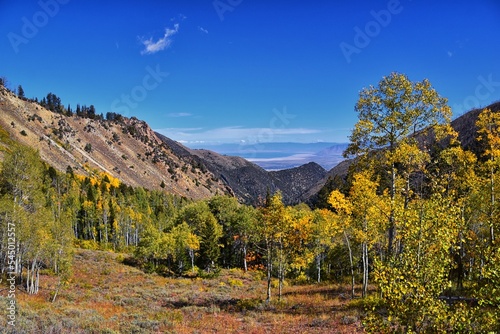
(295, 182)
(128, 149)
(330, 156)
(250, 182)
(317, 193)
(282, 155)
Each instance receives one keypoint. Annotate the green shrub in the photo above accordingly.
(214, 273)
(249, 304)
(235, 282)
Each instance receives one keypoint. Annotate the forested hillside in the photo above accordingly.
(416, 220)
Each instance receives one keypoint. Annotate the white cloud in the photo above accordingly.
(236, 134)
(151, 47)
(203, 30)
(450, 54)
(179, 114)
(179, 17)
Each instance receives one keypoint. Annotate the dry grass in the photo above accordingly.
(106, 296)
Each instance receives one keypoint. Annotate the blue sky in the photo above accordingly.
(205, 72)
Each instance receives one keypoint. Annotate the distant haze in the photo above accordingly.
(277, 156)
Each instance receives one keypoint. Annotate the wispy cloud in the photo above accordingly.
(179, 114)
(152, 47)
(203, 30)
(236, 134)
(179, 17)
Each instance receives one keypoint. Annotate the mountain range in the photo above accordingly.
(128, 149)
(274, 156)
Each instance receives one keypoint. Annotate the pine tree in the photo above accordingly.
(20, 92)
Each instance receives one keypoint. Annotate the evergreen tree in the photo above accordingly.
(20, 92)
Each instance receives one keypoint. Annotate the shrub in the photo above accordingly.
(302, 279)
(235, 282)
(249, 304)
(87, 244)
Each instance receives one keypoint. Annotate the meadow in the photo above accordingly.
(106, 295)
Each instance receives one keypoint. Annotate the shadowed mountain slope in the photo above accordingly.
(465, 126)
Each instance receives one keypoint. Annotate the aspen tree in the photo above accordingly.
(388, 114)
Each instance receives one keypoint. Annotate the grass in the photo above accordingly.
(107, 296)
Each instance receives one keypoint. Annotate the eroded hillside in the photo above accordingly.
(125, 148)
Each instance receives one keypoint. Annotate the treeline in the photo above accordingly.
(50, 211)
(168, 234)
(53, 103)
(43, 213)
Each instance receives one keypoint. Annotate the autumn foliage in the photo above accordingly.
(412, 231)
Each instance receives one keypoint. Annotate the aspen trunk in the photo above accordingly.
(245, 265)
(351, 263)
(365, 269)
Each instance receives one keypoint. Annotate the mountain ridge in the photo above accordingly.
(128, 149)
(250, 182)
(273, 156)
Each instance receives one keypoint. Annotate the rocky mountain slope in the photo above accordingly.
(128, 149)
(465, 125)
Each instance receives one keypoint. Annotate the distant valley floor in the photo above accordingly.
(278, 156)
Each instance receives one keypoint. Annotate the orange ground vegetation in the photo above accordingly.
(107, 296)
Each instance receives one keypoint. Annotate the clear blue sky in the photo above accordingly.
(242, 70)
